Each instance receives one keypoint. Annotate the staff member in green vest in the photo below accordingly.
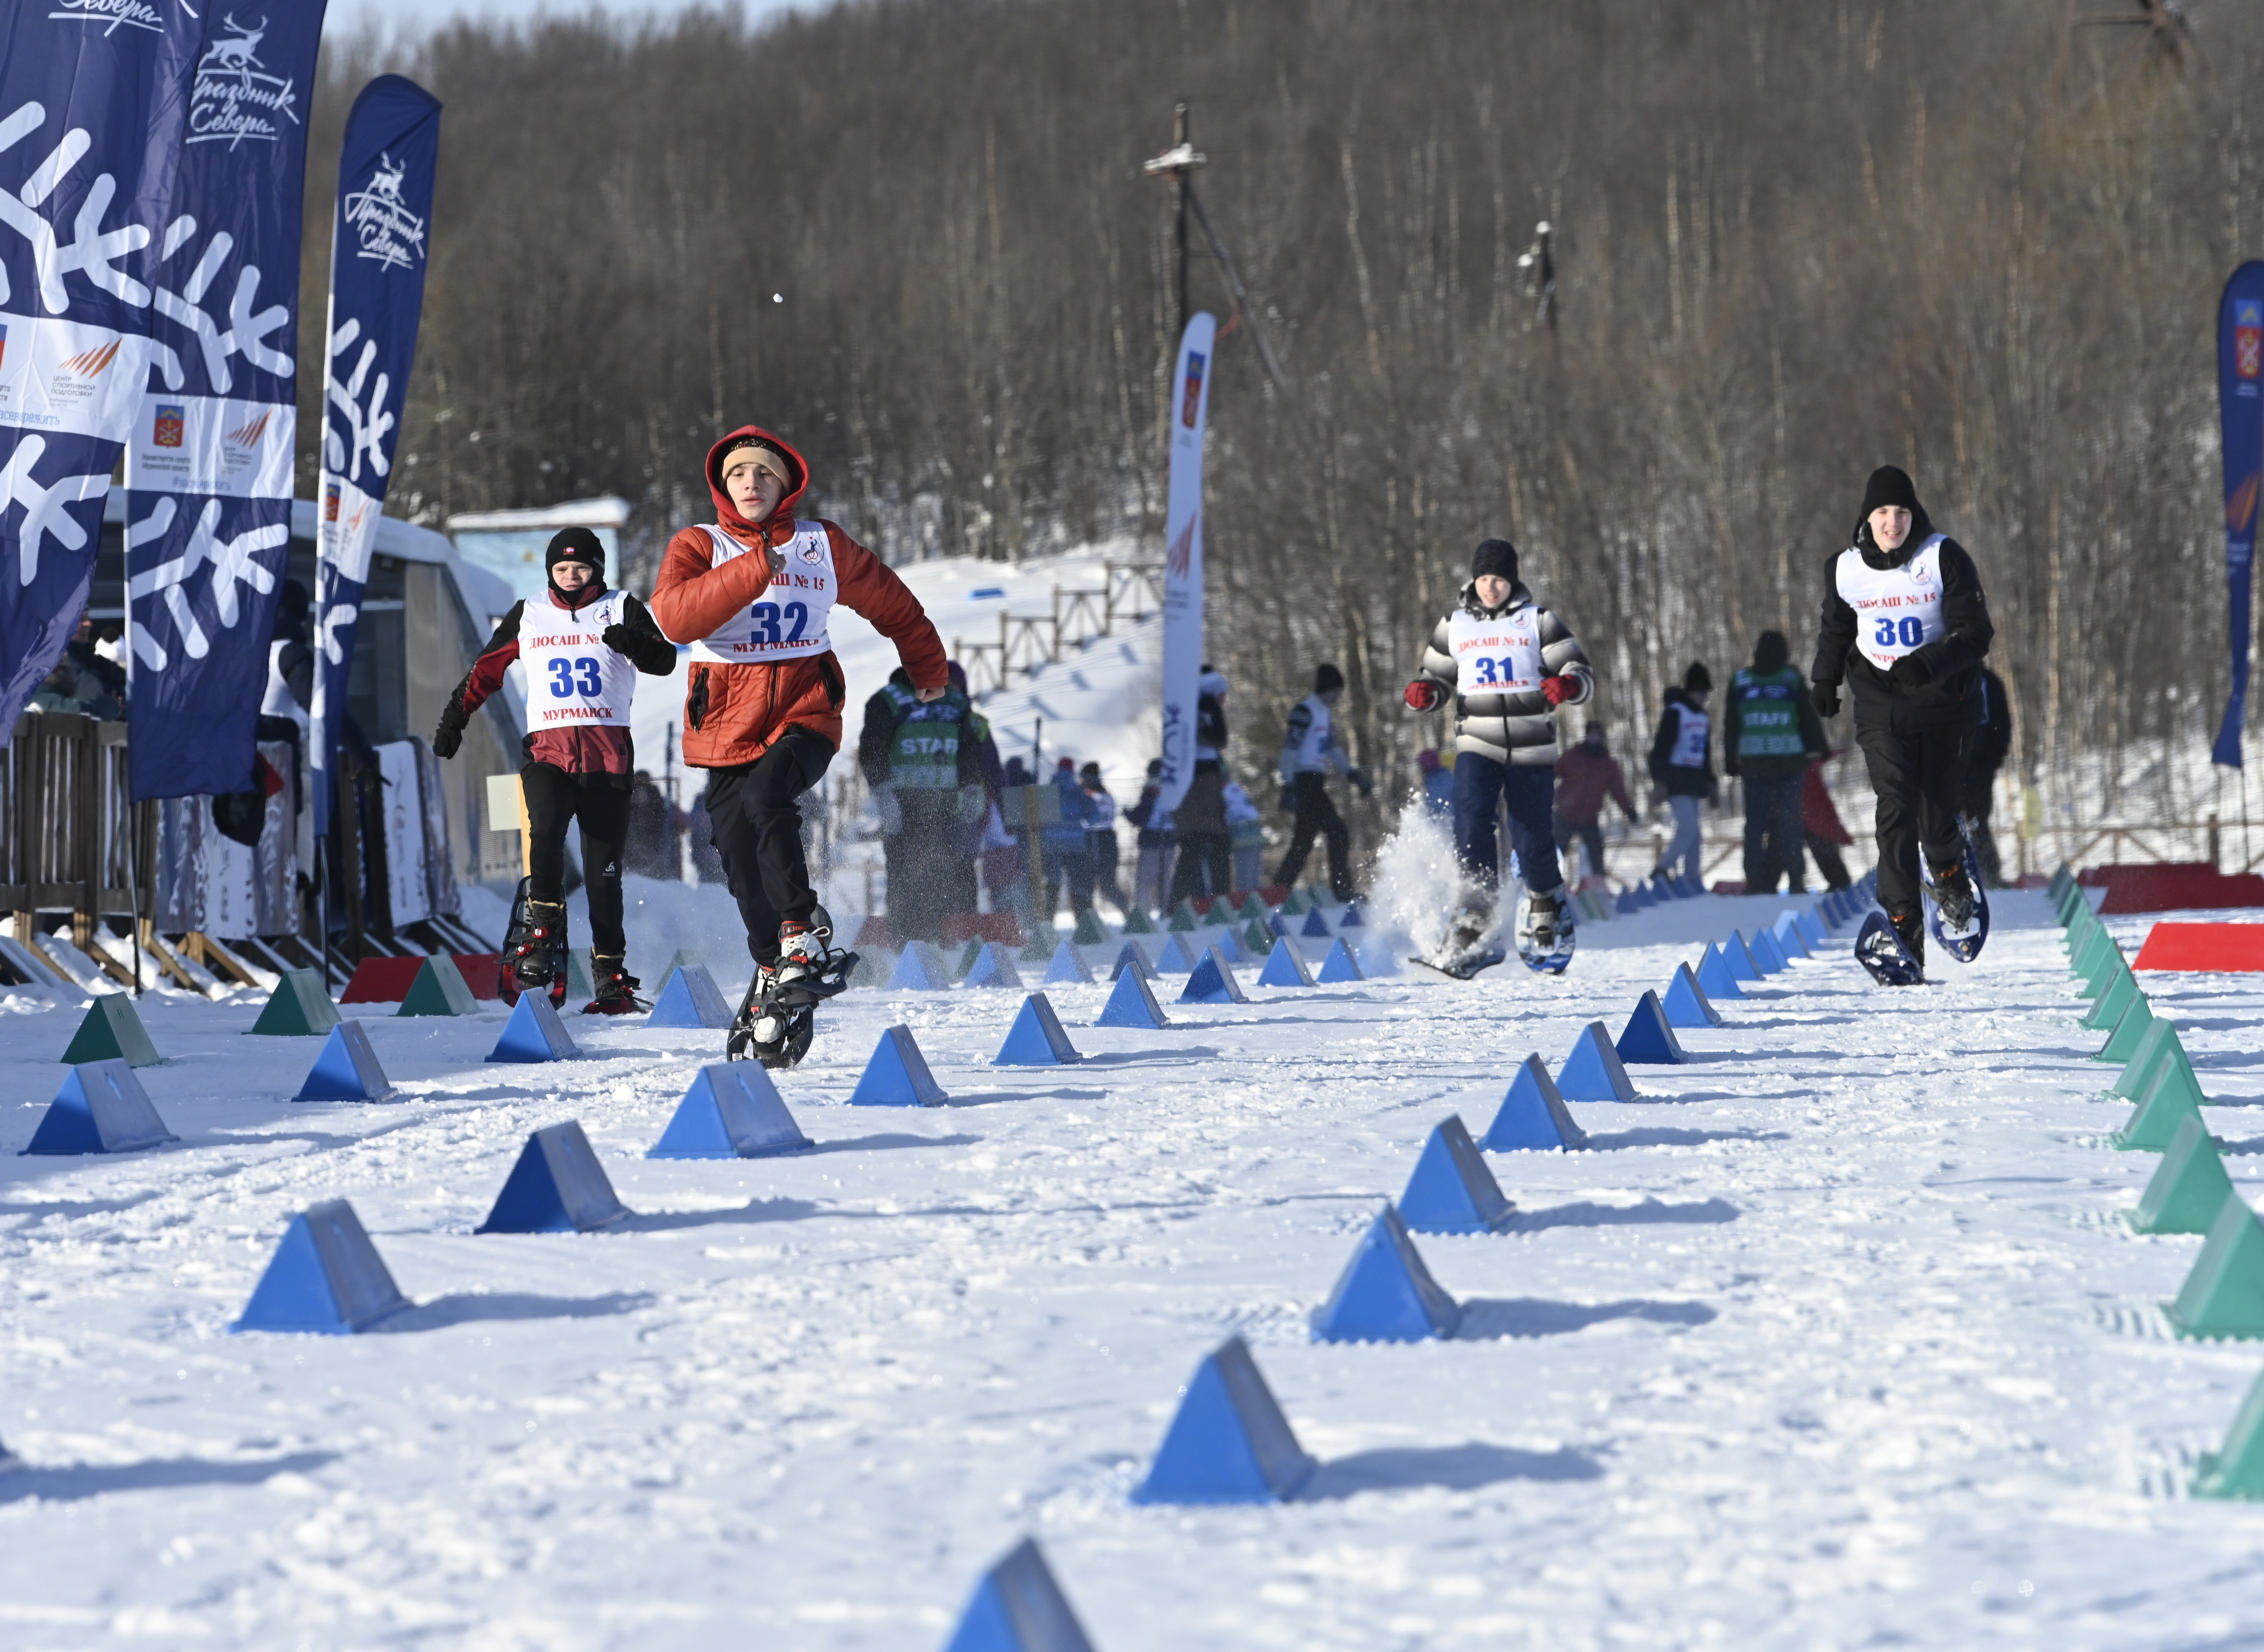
(924, 762)
(1771, 731)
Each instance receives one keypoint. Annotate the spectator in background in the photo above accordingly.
(1199, 823)
(1245, 835)
(1681, 767)
(1067, 846)
(1438, 783)
(1770, 729)
(1819, 824)
(1151, 873)
(1585, 776)
(1992, 743)
(1310, 750)
(923, 760)
(1101, 837)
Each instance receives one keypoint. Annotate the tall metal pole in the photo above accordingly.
(1179, 146)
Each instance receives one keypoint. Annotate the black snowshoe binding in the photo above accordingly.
(1546, 937)
(1961, 904)
(777, 1019)
(1470, 946)
(1892, 947)
(617, 989)
(533, 949)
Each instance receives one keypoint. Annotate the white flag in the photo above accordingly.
(1183, 560)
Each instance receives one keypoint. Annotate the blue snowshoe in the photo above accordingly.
(1959, 918)
(1881, 951)
(1546, 937)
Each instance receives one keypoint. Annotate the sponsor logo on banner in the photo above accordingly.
(234, 98)
(109, 16)
(2241, 509)
(384, 228)
(2248, 337)
(90, 363)
(1181, 556)
(63, 375)
(1193, 399)
(212, 444)
(248, 436)
(3, 345)
(165, 431)
(331, 503)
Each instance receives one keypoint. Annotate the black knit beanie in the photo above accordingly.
(1771, 650)
(1697, 679)
(1326, 678)
(576, 545)
(1498, 557)
(1889, 484)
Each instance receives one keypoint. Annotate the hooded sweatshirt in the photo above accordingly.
(1944, 685)
(750, 596)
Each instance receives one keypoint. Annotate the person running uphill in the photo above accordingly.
(751, 593)
(582, 646)
(1508, 663)
(1906, 626)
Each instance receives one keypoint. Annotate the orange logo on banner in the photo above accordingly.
(2248, 352)
(2240, 510)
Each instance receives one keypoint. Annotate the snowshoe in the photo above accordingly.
(1883, 951)
(534, 958)
(1960, 920)
(766, 1032)
(1468, 967)
(808, 971)
(617, 990)
(1470, 944)
(1546, 937)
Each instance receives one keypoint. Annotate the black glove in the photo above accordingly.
(617, 637)
(1827, 700)
(448, 738)
(1911, 672)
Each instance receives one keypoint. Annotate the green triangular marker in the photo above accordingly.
(1184, 920)
(2112, 1002)
(1324, 900)
(1089, 931)
(2123, 1043)
(2237, 1471)
(2091, 953)
(2224, 1296)
(2110, 968)
(1258, 938)
(968, 954)
(2190, 1186)
(1137, 922)
(1296, 905)
(582, 977)
(113, 1032)
(2154, 1047)
(298, 1008)
(1043, 942)
(438, 990)
(2080, 929)
(2171, 1097)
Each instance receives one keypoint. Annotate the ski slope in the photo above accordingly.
(1834, 1339)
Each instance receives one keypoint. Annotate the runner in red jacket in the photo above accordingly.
(751, 594)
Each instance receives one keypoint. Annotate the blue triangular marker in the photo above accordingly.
(1715, 975)
(1036, 1038)
(1385, 1293)
(1811, 930)
(1648, 1037)
(1339, 965)
(1452, 1190)
(1768, 954)
(993, 968)
(1212, 981)
(1351, 919)
(1017, 1607)
(917, 970)
(1533, 1114)
(101, 1108)
(1789, 940)
(1686, 1003)
(1592, 1071)
(1315, 927)
(1131, 1004)
(325, 1277)
(896, 1075)
(1740, 957)
(1645, 895)
(1229, 1442)
(347, 1069)
(534, 1033)
(690, 997)
(1229, 946)
(557, 1186)
(732, 1111)
(1627, 905)
(1285, 966)
(1134, 958)
(1175, 959)
(1067, 969)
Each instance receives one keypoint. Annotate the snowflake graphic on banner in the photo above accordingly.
(247, 329)
(232, 561)
(367, 426)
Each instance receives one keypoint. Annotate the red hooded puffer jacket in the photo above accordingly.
(734, 713)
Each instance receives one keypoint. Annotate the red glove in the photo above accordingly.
(1560, 689)
(1423, 694)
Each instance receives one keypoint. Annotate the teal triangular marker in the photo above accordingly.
(2190, 1187)
(2224, 1296)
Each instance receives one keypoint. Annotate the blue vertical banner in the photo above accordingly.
(208, 464)
(377, 294)
(93, 98)
(2241, 396)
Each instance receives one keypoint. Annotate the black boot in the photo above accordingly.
(768, 1031)
(616, 988)
(535, 950)
(1953, 894)
(1909, 930)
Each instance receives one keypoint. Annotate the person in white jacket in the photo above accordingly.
(1310, 752)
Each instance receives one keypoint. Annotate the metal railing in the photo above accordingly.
(1130, 591)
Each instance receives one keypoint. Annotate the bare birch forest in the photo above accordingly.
(1793, 239)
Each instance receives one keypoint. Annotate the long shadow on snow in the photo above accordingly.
(1192, 1054)
(1668, 1137)
(1464, 1468)
(495, 1307)
(898, 1139)
(1483, 1319)
(80, 1481)
(1589, 1214)
(755, 1210)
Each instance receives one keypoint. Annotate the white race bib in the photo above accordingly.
(1500, 655)
(788, 622)
(573, 680)
(1690, 740)
(1898, 610)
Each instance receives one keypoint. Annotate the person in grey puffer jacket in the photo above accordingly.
(1507, 663)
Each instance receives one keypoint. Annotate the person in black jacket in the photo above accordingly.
(1680, 767)
(1906, 625)
(1769, 732)
(1992, 742)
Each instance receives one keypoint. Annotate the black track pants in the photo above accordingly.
(1919, 776)
(757, 817)
(1317, 817)
(554, 798)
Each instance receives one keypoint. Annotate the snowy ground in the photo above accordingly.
(1834, 1340)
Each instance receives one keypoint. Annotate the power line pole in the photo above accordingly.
(1177, 161)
